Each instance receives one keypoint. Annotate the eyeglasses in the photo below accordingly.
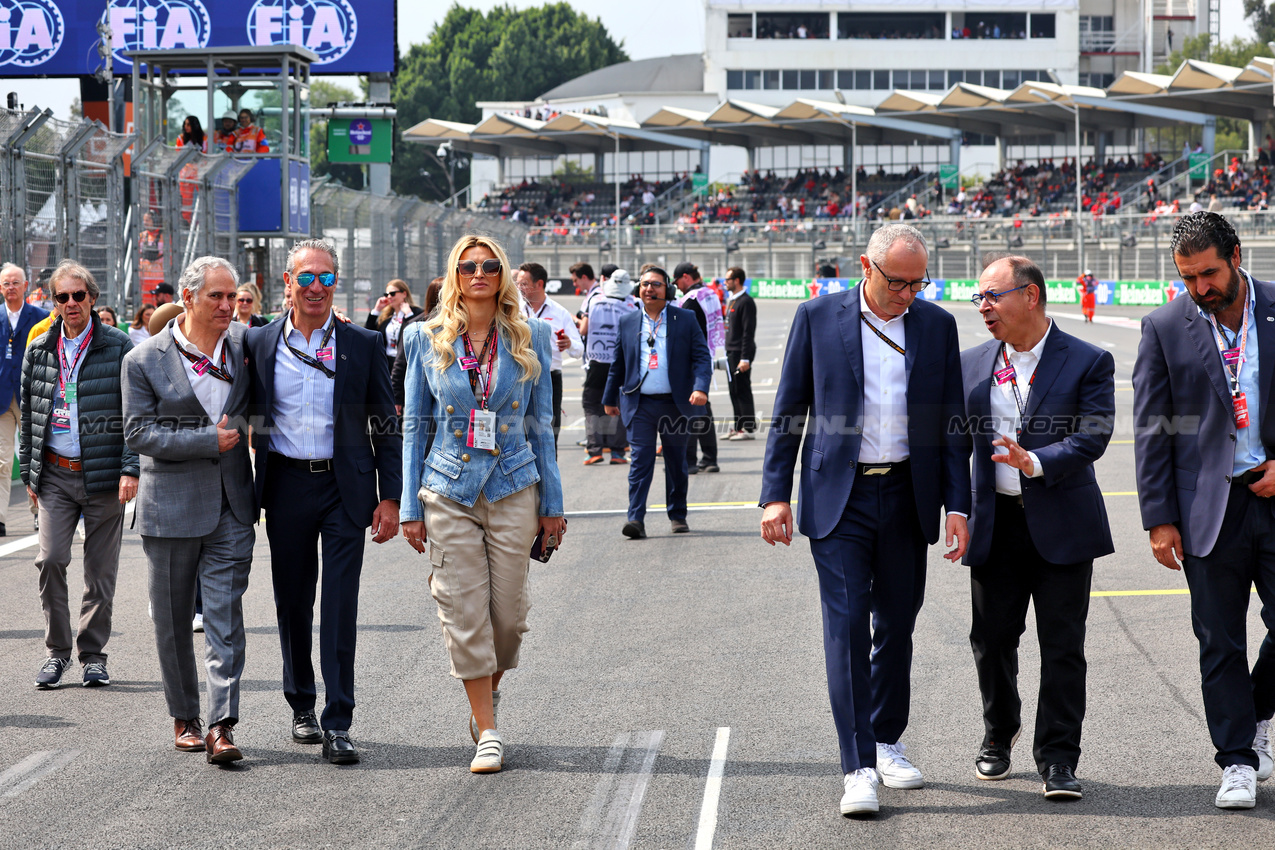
(993, 296)
(468, 268)
(63, 297)
(326, 278)
(897, 285)
(390, 293)
(245, 300)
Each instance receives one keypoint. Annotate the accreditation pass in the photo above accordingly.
(482, 429)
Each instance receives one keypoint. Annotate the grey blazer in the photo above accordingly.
(180, 490)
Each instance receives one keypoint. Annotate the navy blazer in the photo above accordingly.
(366, 443)
(1184, 422)
(690, 367)
(11, 367)
(822, 378)
(1071, 408)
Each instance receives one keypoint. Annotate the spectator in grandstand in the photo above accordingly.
(15, 326)
(531, 279)
(392, 309)
(193, 134)
(707, 310)
(247, 301)
(195, 516)
(75, 463)
(139, 330)
(488, 479)
(249, 138)
(600, 327)
(658, 382)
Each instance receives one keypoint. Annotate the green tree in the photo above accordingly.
(1262, 15)
(1232, 133)
(506, 54)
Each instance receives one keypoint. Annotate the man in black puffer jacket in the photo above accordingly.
(75, 462)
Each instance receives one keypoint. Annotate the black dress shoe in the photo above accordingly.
(337, 748)
(4, 532)
(709, 467)
(679, 526)
(305, 728)
(1061, 783)
(692, 470)
(634, 530)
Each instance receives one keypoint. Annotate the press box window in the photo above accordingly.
(739, 26)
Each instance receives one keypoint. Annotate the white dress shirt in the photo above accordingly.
(1005, 410)
(211, 391)
(885, 400)
(559, 320)
(303, 396)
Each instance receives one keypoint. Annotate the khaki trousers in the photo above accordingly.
(10, 421)
(480, 559)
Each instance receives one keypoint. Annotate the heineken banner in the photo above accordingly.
(1128, 293)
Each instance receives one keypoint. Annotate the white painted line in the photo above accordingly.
(34, 539)
(633, 785)
(32, 769)
(625, 511)
(712, 791)
(591, 819)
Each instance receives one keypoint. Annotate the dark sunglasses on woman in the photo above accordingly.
(469, 268)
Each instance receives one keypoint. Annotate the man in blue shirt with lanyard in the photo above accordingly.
(16, 323)
(659, 378)
(1206, 473)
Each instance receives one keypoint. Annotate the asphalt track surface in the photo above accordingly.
(671, 695)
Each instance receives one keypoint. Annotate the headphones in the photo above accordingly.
(665, 297)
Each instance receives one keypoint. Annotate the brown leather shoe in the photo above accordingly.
(189, 735)
(220, 745)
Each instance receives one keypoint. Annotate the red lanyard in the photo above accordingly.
(65, 371)
(477, 377)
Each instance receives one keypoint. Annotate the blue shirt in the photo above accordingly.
(1249, 451)
(67, 443)
(657, 382)
(303, 411)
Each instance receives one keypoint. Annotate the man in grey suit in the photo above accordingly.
(185, 405)
(1205, 451)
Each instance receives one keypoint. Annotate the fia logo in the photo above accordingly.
(156, 25)
(31, 32)
(328, 27)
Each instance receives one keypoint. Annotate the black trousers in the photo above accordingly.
(302, 509)
(1015, 574)
(601, 431)
(1244, 555)
(741, 394)
(703, 433)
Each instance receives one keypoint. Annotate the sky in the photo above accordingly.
(680, 29)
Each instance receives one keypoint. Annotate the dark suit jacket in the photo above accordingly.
(822, 378)
(1070, 412)
(741, 326)
(366, 442)
(11, 368)
(1184, 421)
(689, 366)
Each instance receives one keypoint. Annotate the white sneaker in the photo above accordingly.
(860, 795)
(1239, 788)
(490, 755)
(197, 624)
(1262, 743)
(896, 771)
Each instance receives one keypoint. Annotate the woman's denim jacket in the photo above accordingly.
(436, 427)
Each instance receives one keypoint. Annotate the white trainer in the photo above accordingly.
(896, 771)
(860, 797)
(1239, 788)
(490, 755)
(1262, 743)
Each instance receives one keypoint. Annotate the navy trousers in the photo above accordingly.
(871, 585)
(658, 417)
(303, 508)
(1244, 555)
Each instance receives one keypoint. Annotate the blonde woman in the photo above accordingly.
(478, 380)
(391, 311)
(248, 306)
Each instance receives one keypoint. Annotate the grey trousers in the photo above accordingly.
(218, 565)
(62, 500)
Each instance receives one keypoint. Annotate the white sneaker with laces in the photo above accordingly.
(1262, 743)
(860, 795)
(1239, 788)
(896, 771)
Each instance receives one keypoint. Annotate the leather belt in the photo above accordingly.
(324, 465)
(56, 459)
(1249, 477)
(1016, 498)
(882, 468)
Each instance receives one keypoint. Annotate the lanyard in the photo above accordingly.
(65, 370)
(306, 358)
(1013, 383)
(544, 305)
(477, 378)
(204, 365)
(1221, 347)
(884, 338)
(655, 329)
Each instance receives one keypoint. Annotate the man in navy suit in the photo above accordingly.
(872, 379)
(326, 440)
(1041, 404)
(16, 323)
(659, 377)
(1205, 451)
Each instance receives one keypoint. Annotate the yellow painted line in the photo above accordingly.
(1120, 443)
(1177, 591)
(1124, 389)
(1122, 493)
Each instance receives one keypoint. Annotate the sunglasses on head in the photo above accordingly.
(468, 268)
(325, 278)
(63, 297)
